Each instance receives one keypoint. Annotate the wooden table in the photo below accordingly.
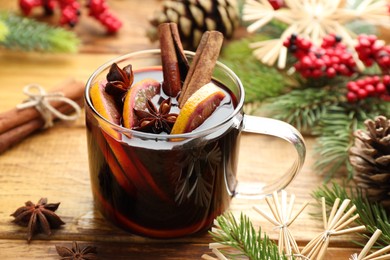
(53, 163)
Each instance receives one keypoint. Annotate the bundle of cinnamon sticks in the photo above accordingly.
(17, 124)
(176, 68)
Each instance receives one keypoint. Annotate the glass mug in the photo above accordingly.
(167, 186)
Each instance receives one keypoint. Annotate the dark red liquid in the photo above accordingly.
(159, 189)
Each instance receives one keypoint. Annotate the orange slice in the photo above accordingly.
(104, 103)
(136, 98)
(198, 108)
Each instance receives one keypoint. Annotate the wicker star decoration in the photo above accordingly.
(336, 224)
(376, 255)
(282, 219)
(312, 19)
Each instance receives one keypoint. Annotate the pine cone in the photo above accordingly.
(194, 17)
(370, 158)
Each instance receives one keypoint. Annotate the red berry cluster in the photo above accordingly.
(99, 9)
(370, 86)
(328, 60)
(70, 11)
(371, 51)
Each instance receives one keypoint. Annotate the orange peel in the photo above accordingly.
(198, 108)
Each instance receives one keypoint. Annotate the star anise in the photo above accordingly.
(119, 80)
(77, 253)
(155, 120)
(38, 217)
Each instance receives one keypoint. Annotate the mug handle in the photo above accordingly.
(280, 129)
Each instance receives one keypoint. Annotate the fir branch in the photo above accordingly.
(260, 81)
(371, 215)
(30, 35)
(242, 237)
(335, 130)
(302, 108)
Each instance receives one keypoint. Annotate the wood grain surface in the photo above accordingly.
(53, 163)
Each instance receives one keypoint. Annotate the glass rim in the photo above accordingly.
(140, 134)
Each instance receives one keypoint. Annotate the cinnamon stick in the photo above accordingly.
(201, 69)
(71, 89)
(17, 134)
(16, 125)
(174, 61)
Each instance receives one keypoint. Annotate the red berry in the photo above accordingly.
(380, 88)
(345, 57)
(361, 82)
(287, 42)
(386, 80)
(316, 73)
(364, 41)
(375, 79)
(306, 73)
(372, 38)
(335, 60)
(378, 46)
(351, 97)
(343, 69)
(331, 72)
(319, 63)
(362, 93)
(370, 89)
(352, 86)
(306, 62)
(326, 60)
(304, 44)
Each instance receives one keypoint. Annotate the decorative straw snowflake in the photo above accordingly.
(335, 225)
(377, 255)
(282, 219)
(312, 19)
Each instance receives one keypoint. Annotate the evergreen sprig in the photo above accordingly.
(302, 108)
(371, 215)
(242, 236)
(260, 81)
(29, 35)
(335, 131)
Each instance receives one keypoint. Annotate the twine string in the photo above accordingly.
(281, 226)
(300, 256)
(39, 99)
(328, 233)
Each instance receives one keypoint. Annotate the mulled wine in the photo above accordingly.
(163, 188)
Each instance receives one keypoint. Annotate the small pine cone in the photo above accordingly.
(194, 17)
(370, 158)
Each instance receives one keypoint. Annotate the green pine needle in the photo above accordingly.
(371, 215)
(335, 131)
(242, 236)
(302, 108)
(260, 81)
(30, 35)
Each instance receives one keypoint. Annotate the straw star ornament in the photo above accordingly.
(282, 218)
(335, 225)
(380, 254)
(312, 19)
